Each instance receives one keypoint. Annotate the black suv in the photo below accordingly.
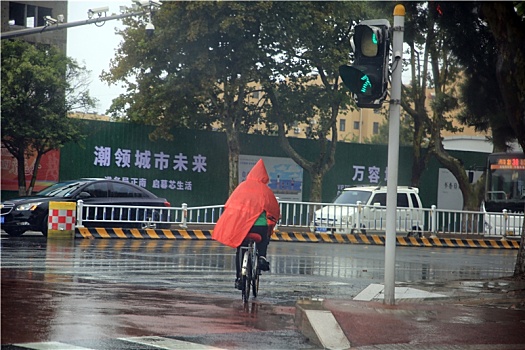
(31, 213)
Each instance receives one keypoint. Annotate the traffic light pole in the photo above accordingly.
(393, 155)
(59, 26)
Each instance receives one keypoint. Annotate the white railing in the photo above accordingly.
(317, 217)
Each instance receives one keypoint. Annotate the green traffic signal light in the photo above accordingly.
(356, 80)
(369, 41)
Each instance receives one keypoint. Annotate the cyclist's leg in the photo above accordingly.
(238, 262)
(262, 246)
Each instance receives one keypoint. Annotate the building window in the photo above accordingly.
(342, 124)
(375, 128)
(29, 16)
(356, 125)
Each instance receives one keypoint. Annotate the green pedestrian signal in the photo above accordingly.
(367, 78)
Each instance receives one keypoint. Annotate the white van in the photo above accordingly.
(363, 208)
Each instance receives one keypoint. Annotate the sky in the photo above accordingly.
(94, 47)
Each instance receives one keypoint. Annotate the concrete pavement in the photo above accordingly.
(488, 314)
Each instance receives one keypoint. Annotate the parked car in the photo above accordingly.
(362, 208)
(31, 213)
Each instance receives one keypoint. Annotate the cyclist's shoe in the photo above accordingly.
(264, 265)
(238, 284)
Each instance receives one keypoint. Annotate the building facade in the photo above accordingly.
(19, 15)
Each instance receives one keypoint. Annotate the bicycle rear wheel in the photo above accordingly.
(255, 277)
(247, 281)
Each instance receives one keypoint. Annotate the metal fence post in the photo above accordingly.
(80, 204)
(358, 220)
(505, 218)
(184, 215)
(433, 222)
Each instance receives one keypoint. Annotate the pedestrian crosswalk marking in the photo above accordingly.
(153, 341)
(52, 345)
(167, 343)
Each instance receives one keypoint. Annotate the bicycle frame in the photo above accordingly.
(250, 266)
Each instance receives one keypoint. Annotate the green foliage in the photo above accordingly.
(406, 132)
(197, 69)
(40, 85)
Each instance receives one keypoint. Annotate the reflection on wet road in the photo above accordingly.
(90, 292)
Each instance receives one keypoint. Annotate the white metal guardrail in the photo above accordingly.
(318, 217)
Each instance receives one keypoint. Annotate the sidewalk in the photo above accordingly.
(453, 315)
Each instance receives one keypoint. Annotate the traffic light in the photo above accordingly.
(367, 78)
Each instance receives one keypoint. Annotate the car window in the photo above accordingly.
(61, 189)
(125, 191)
(97, 190)
(379, 198)
(402, 200)
(415, 202)
(352, 197)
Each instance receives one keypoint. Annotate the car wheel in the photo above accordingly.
(44, 226)
(14, 232)
(149, 222)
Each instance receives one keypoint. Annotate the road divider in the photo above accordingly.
(308, 237)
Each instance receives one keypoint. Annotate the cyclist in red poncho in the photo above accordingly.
(252, 207)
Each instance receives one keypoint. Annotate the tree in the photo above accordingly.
(197, 71)
(40, 85)
(434, 65)
(306, 42)
(507, 24)
(207, 59)
(487, 38)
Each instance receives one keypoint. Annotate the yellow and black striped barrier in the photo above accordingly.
(119, 233)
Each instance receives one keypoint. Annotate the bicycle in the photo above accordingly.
(249, 259)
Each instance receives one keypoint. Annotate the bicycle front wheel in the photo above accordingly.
(247, 281)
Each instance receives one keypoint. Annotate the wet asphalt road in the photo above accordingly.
(90, 293)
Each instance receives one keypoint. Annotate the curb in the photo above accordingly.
(319, 325)
(307, 237)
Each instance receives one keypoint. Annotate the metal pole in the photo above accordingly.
(45, 29)
(393, 155)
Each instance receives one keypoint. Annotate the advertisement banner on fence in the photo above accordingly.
(286, 177)
(47, 170)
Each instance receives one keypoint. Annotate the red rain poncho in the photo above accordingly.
(244, 206)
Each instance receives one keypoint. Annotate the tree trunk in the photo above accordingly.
(519, 268)
(35, 173)
(234, 149)
(20, 158)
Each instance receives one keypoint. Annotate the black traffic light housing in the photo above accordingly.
(367, 78)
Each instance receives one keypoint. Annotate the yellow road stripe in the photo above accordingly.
(364, 238)
(135, 233)
(120, 233)
(102, 232)
(184, 234)
(402, 241)
(471, 243)
(299, 237)
(199, 234)
(377, 239)
(339, 238)
(168, 234)
(414, 242)
(505, 243)
(426, 242)
(326, 237)
(85, 232)
(312, 237)
(151, 233)
(352, 239)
